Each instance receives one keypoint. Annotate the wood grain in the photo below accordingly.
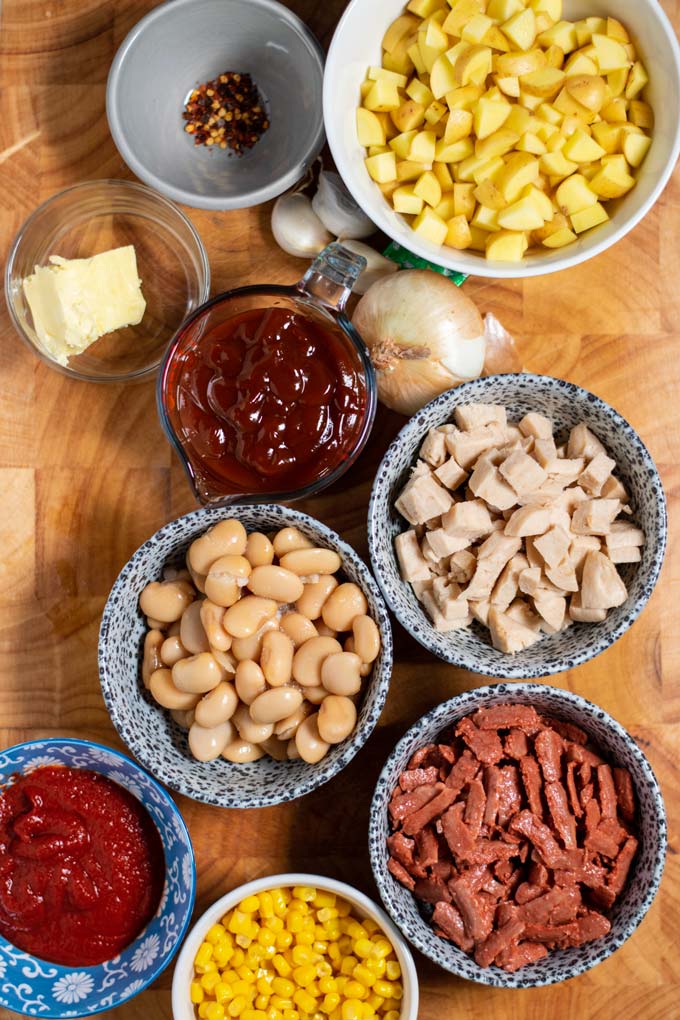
(86, 476)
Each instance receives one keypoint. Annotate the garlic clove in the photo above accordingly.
(377, 265)
(338, 211)
(296, 227)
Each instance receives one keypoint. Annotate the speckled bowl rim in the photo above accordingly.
(97, 970)
(380, 682)
(456, 708)
(506, 669)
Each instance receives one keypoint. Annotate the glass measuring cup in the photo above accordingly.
(268, 391)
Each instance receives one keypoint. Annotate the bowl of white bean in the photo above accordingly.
(245, 655)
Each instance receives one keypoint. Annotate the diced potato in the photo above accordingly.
(489, 194)
(458, 233)
(497, 144)
(423, 147)
(574, 195)
(532, 103)
(464, 200)
(464, 98)
(446, 208)
(642, 115)
(560, 238)
(613, 180)
(518, 64)
(424, 8)
(615, 112)
(370, 130)
(389, 188)
(419, 93)
(409, 170)
(563, 34)
(435, 112)
(453, 152)
(549, 114)
(496, 40)
(382, 168)
(530, 142)
(443, 175)
(506, 246)
(503, 10)
(479, 238)
(637, 80)
(617, 31)
(399, 61)
(382, 97)
(610, 54)
(485, 218)
(521, 169)
(617, 82)
(430, 226)
(509, 86)
(489, 117)
(428, 188)
(556, 164)
(608, 136)
(406, 201)
(442, 77)
(590, 217)
(401, 144)
(408, 116)
(400, 28)
(435, 37)
(518, 121)
(570, 107)
(588, 90)
(581, 148)
(473, 66)
(382, 74)
(558, 222)
(461, 13)
(414, 54)
(521, 215)
(545, 82)
(635, 148)
(520, 29)
(476, 28)
(550, 7)
(458, 125)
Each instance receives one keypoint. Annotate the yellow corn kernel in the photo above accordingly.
(281, 966)
(392, 970)
(281, 1003)
(397, 991)
(327, 985)
(274, 1014)
(363, 948)
(304, 892)
(327, 914)
(283, 939)
(384, 988)
(215, 934)
(370, 925)
(266, 937)
(274, 924)
(196, 993)
(305, 974)
(302, 954)
(202, 1008)
(341, 980)
(298, 906)
(375, 1001)
(356, 930)
(230, 976)
(377, 966)
(304, 1000)
(262, 1001)
(236, 1006)
(223, 992)
(283, 987)
(214, 1011)
(203, 955)
(352, 1010)
(323, 968)
(249, 905)
(363, 975)
(238, 958)
(332, 929)
(239, 923)
(334, 952)
(324, 898)
(306, 938)
(381, 949)
(355, 990)
(222, 954)
(294, 922)
(243, 988)
(243, 941)
(291, 1014)
(348, 964)
(206, 967)
(391, 1004)
(266, 905)
(210, 980)
(391, 1014)
(344, 907)
(264, 984)
(245, 973)
(331, 1001)
(279, 901)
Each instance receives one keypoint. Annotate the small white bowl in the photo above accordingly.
(356, 46)
(183, 1009)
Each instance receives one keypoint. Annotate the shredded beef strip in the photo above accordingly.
(531, 778)
(625, 794)
(484, 744)
(400, 873)
(562, 818)
(449, 921)
(548, 746)
(411, 780)
(520, 955)
(606, 791)
(505, 717)
(516, 744)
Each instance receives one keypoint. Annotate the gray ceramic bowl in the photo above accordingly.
(643, 882)
(567, 405)
(183, 43)
(149, 732)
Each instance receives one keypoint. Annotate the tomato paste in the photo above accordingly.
(81, 866)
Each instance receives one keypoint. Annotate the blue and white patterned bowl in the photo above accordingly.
(644, 879)
(152, 736)
(567, 405)
(37, 988)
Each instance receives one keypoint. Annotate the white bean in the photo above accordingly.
(247, 616)
(166, 694)
(276, 583)
(241, 751)
(228, 538)
(206, 744)
(276, 658)
(275, 748)
(343, 606)
(341, 673)
(217, 705)
(183, 719)
(366, 638)
(165, 601)
(172, 650)
(251, 647)
(225, 579)
(298, 628)
(311, 561)
(366, 668)
(211, 618)
(152, 655)
(198, 674)
(308, 741)
(192, 633)
(309, 657)
(286, 728)
(250, 681)
(250, 729)
(337, 718)
(275, 705)
(259, 550)
(289, 540)
(314, 596)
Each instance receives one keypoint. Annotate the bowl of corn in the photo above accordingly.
(290, 946)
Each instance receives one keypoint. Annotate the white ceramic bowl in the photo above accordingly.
(356, 45)
(179, 45)
(182, 1008)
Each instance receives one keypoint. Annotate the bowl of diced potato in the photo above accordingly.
(504, 138)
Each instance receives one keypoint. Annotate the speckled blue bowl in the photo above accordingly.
(643, 882)
(152, 736)
(37, 988)
(567, 405)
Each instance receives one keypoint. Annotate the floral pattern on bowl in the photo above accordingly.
(567, 405)
(37, 988)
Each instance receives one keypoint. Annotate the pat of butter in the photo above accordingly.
(75, 301)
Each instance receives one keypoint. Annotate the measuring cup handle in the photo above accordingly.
(332, 275)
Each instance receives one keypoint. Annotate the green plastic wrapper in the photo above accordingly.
(405, 259)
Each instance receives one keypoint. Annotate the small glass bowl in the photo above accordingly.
(94, 217)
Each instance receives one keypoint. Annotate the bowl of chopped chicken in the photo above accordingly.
(517, 526)
(518, 835)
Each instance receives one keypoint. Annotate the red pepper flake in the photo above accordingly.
(227, 112)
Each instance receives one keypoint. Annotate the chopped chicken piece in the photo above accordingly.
(581, 615)
(451, 474)
(602, 586)
(412, 563)
(532, 554)
(582, 443)
(595, 516)
(448, 602)
(623, 534)
(596, 474)
(545, 451)
(439, 620)
(529, 581)
(553, 609)
(509, 635)
(615, 489)
(522, 472)
(570, 499)
(528, 520)
(433, 449)
(514, 434)
(462, 566)
(536, 425)
(422, 499)
(492, 556)
(560, 519)
(625, 554)
(508, 582)
(469, 519)
(487, 484)
(563, 575)
(562, 451)
(480, 611)
(472, 416)
(441, 543)
(419, 587)
(581, 545)
(467, 446)
(421, 470)
(564, 472)
(553, 546)
(522, 612)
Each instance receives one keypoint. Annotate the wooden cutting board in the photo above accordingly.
(86, 476)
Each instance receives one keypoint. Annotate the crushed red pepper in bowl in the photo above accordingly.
(227, 112)
(514, 835)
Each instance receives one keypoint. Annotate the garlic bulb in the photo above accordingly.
(296, 227)
(338, 211)
(377, 265)
(423, 334)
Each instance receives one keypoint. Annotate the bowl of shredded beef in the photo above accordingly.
(518, 835)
